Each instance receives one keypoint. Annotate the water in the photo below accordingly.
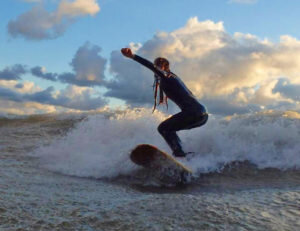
(72, 172)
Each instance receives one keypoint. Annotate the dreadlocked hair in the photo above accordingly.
(159, 62)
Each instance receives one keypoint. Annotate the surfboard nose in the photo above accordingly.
(143, 154)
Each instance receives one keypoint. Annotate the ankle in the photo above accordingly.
(179, 153)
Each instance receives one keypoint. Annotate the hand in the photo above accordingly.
(127, 52)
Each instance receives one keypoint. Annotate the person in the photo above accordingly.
(192, 115)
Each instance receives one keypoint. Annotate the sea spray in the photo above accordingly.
(99, 146)
(268, 140)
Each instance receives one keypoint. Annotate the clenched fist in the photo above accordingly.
(127, 52)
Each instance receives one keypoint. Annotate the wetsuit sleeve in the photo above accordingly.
(148, 64)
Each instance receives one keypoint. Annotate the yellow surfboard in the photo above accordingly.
(151, 157)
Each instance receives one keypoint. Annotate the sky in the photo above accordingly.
(236, 56)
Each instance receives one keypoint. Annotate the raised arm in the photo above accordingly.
(128, 53)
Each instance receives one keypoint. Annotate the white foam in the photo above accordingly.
(266, 140)
(99, 147)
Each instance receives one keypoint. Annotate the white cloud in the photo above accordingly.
(236, 73)
(240, 69)
(18, 98)
(77, 8)
(81, 98)
(38, 23)
(28, 108)
(188, 42)
(24, 88)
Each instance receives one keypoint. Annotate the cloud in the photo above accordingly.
(132, 83)
(73, 97)
(80, 98)
(239, 70)
(39, 24)
(88, 67)
(8, 94)
(13, 73)
(225, 107)
(287, 89)
(228, 73)
(183, 47)
(20, 87)
(41, 73)
(25, 108)
(77, 8)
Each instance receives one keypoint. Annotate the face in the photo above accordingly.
(161, 66)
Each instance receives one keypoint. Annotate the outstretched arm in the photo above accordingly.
(128, 53)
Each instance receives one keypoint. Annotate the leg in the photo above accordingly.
(180, 121)
(168, 132)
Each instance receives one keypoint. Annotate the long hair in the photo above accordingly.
(159, 62)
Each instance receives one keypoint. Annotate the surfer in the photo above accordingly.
(192, 115)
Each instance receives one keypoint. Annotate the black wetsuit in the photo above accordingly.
(193, 114)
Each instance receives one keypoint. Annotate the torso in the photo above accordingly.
(177, 91)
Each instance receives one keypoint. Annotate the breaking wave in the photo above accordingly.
(99, 146)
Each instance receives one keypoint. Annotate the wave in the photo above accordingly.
(268, 140)
(99, 145)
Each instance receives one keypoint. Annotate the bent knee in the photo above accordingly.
(161, 129)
